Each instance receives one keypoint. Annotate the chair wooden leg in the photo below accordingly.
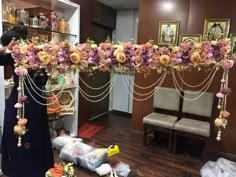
(170, 141)
(203, 157)
(174, 145)
(145, 129)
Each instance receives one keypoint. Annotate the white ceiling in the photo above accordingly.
(121, 4)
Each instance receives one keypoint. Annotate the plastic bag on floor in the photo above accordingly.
(210, 169)
(122, 169)
(228, 167)
(61, 141)
(93, 159)
(103, 169)
(220, 168)
(72, 151)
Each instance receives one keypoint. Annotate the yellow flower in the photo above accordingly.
(195, 57)
(119, 49)
(44, 57)
(23, 50)
(164, 59)
(198, 45)
(175, 49)
(120, 57)
(93, 46)
(75, 57)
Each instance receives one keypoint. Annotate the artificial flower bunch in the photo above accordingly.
(61, 170)
(126, 56)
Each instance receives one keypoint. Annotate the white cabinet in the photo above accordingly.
(64, 9)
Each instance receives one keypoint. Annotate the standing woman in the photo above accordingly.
(35, 156)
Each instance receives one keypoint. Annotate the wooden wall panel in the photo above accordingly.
(192, 14)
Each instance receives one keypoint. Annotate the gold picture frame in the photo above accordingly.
(190, 38)
(215, 29)
(168, 32)
(233, 42)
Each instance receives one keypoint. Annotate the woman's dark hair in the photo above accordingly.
(18, 31)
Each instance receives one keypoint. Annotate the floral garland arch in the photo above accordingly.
(124, 57)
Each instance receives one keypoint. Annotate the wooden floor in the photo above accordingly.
(145, 161)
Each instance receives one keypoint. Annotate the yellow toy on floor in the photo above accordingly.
(112, 150)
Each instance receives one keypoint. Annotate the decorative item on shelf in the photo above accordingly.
(60, 80)
(34, 22)
(43, 21)
(53, 21)
(67, 100)
(23, 15)
(10, 9)
(62, 25)
(4, 13)
(67, 27)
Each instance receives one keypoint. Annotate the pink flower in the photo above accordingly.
(226, 90)
(23, 98)
(225, 113)
(18, 105)
(227, 64)
(21, 71)
(219, 95)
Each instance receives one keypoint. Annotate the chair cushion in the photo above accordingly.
(195, 127)
(160, 120)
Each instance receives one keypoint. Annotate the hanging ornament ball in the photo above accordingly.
(19, 144)
(218, 122)
(19, 130)
(218, 138)
(222, 81)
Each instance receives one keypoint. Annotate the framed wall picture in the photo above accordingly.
(190, 38)
(215, 29)
(233, 42)
(168, 32)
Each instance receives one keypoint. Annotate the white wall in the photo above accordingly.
(126, 25)
(126, 29)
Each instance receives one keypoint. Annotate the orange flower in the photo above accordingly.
(44, 57)
(223, 50)
(22, 121)
(164, 59)
(62, 45)
(75, 58)
(138, 60)
(120, 57)
(84, 55)
(195, 57)
(155, 56)
(31, 46)
(138, 52)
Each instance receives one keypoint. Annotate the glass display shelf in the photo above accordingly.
(7, 24)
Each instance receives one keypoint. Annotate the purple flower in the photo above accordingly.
(114, 62)
(16, 56)
(186, 57)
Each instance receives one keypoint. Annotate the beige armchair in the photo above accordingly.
(167, 104)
